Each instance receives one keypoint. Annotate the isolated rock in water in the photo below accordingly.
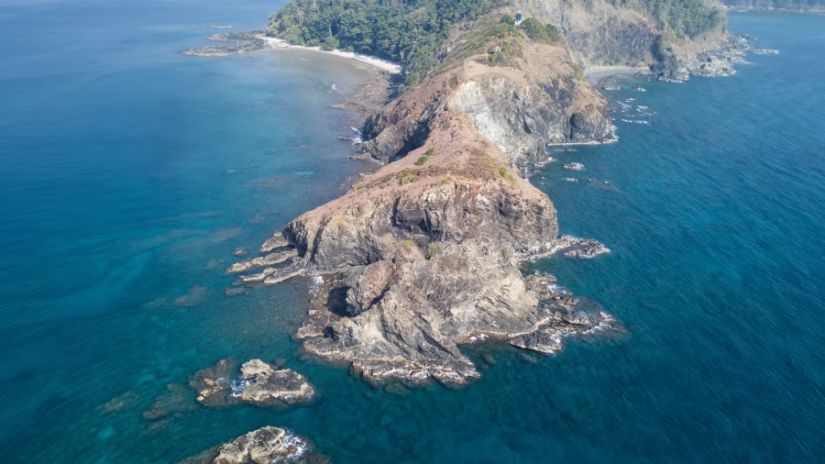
(266, 445)
(259, 383)
(264, 385)
(240, 251)
(574, 166)
(580, 248)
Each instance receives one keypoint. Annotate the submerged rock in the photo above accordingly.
(176, 399)
(271, 259)
(212, 383)
(234, 291)
(266, 445)
(196, 296)
(230, 44)
(119, 403)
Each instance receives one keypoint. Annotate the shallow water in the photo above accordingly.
(130, 173)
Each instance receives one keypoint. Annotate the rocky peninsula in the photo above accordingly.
(427, 253)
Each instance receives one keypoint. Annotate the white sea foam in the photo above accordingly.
(295, 442)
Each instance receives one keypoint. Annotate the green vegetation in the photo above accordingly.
(407, 175)
(405, 31)
(505, 174)
(422, 160)
(539, 32)
(411, 32)
(681, 18)
(432, 251)
(500, 34)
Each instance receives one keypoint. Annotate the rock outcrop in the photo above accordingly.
(602, 33)
(540, 98)
(266, 445)
(258, 383)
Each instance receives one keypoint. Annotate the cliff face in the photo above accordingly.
(539, 99)
(601, 34)
(425, 254)
(611, 33)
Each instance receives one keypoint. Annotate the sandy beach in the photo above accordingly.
(384, 65)
(595, 74)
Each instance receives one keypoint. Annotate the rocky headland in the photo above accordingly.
(426, 254)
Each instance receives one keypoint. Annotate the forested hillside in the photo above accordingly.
(682, 18)
(411, 32)
(405, 31)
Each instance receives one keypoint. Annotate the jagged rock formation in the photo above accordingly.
(425, 254)
(266, 445)
(539, 99)
(611, 33)
(606, 35)
(258, 383)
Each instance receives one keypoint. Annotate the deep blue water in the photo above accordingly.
(129, 174)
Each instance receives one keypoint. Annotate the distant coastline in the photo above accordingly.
(249, 42)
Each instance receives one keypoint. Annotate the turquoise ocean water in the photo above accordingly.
(129, 174)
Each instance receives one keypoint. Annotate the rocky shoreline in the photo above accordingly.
(719, 62)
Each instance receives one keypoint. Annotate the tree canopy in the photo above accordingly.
(406, 31)
(682, 18)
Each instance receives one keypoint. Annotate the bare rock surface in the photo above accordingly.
(258, 383)
(264, 385)
(267, 445)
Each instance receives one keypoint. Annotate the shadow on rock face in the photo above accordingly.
(338, 304)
